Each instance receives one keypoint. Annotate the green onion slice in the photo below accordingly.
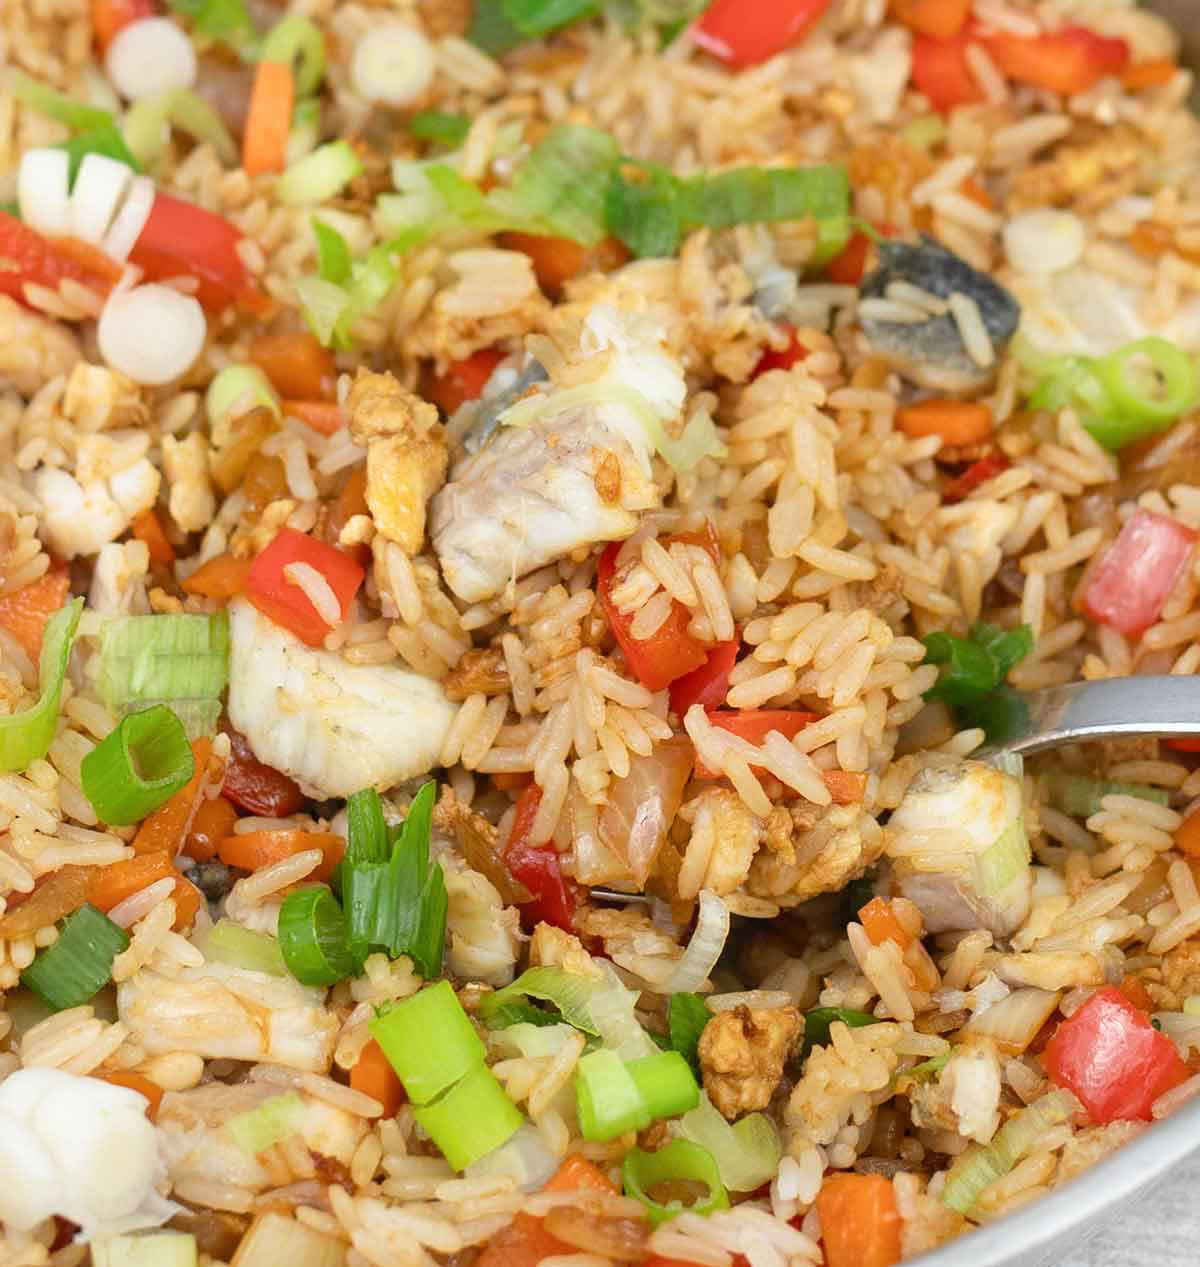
(107, 141)
(297, 41)
(319, 175)
(607, 1098)
(305, 134)
(227, 942)
(333, 255)
(666, 1084)
(818, 1021)
(227, 21)
(54, 105)
(687, 1015)
(473, 1118)
(429, 1040)
(138, 766)
(568, 991)
(273, 1120)
(747, 1152)
(79, 964)
(436, 125)
(366, 829)
(324, 307)
(26, 736)
(245, 386)
(1151, 383)
(680, 1162)
(1079, 796)
(312, 937)
(147, 122)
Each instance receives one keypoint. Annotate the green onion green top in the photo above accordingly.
(79, 964)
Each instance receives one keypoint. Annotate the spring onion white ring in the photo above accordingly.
(704, 949)
(100, 188)
(130, 220)
(392, 65)
(150, 56)
(151, 333)
(43, 184)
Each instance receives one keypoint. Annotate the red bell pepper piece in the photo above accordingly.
(463, 381)
(709, 684)
(793, 354)
(1112, 1059)
(977, 473)
(1132, 580)
(111, 16)
(669, 653)
(27, 256)
(848, 268)
(1069, 60)
(287, 604)
(257, 788)
(1184, 745)
(744, 32)
(941, 71)
(754, 724)
(942, 19)
(535, 864)
(182, 240)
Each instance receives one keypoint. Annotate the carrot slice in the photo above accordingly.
(269, 119)
(860, 1225)
(325, 416)
(167, 828)
(148, 527)
(958, 422)
(1151, 74)
(24, 612)
(135, 1082)
(880, 924)
(296, 364)
(214, 820)
(111, 885)
(373, 1075)
(221, 577)
(188, 900)
(940, 19)
(1187, 835)
(254, 849)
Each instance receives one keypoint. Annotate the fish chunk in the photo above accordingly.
(333, 726)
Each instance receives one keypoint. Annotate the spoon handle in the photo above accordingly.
(1110, 709)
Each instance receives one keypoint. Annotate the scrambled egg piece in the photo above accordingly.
(742, 1054)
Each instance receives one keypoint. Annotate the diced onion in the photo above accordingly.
(156, 1249)
(1013, 1022)
(274, 1239)
(150, 56)
(392, 65)
(1044, 240)
(704, 949)
(131, 219)
(100, 186)
(747, 1153)
(151, 333)
(43, 184)
(525, 1159)
(243, 386)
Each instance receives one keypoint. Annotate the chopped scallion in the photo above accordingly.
(818, 1021)
(471, 1119)
(227, 942)
(106, 141)
(79, 964)
(305, 135)
(148, 122)
(27, 735)
(976, 667)
(243, 387)
(319, 175)
(747, 1151)
(568, 991)
(54, 105)
(137, 767)
(1079, 796)
(297, 41)
(429, 1041)
(262, 1127)
(312, 937)
(333, 255)
(607, 1098)
(227, 21)
(687, 1015)
(437, 125)
(680, 1161)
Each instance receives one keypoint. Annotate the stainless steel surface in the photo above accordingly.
(1117, 707)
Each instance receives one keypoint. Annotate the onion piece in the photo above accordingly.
(150, 56)
(747, 1153)
(43, 191)
(151, 333)
(704, 949)
(524, 1158)
(641, 806)
(1013, 1022)
(130, 220)
(100, 188)
(392, 65)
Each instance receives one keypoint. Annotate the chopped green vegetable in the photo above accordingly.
(297, 41)
(325, 307)
(319, 175)
(45, 100)
(473, 1118)
(1079, 796)
(818, 1021)
(273, 1120)
(976, 667)
(429, 1040)
(137, 767)
(535, 18)
(438, 125)
(747, 1151)
(312, 937)
(568, 991)
(79, 964)
(333, 255)
(928, 1068)
(25, 736)
(227, 942)
(226, 21)
(687, 1015)
(106, 141)
(613, 1096)
(681, 1161)
(148, 123)
(305, 134)
(644, 209)
(491, 29)
(245, 386)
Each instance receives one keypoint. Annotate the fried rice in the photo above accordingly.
(439, 406)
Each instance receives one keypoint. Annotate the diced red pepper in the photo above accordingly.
(754, 724)
(709, 684)
(942, 19)
(977, 473)
(286, 603)
(1069, 60)
(1127, 588)
(463, 381)
(941, 71)
(1112, 1059)
(112, 16)
(183, 240)
(1184, 745)
(793, 354)
(27, 256)
(669, 653)
(257, 788)
(535, 864)
(848, 268)
(744, 32)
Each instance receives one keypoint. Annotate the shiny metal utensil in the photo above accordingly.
(1116, 708)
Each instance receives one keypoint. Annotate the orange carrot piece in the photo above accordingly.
(24, 612)
(1151, 74)
(221, 577)
(860, 1225)
(847, 787)
(269, 119)
(325, 416)
(880, 924)
(213, 822)
(112, 884)
(373, 1075)
(557, 260)
(939, 19)
(971, 188)
(188, 900)
(136, 1082)
(167, 828)
(1187, 835)
(958, 422)
(148, 527)
(254, 849)
(296, 364)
